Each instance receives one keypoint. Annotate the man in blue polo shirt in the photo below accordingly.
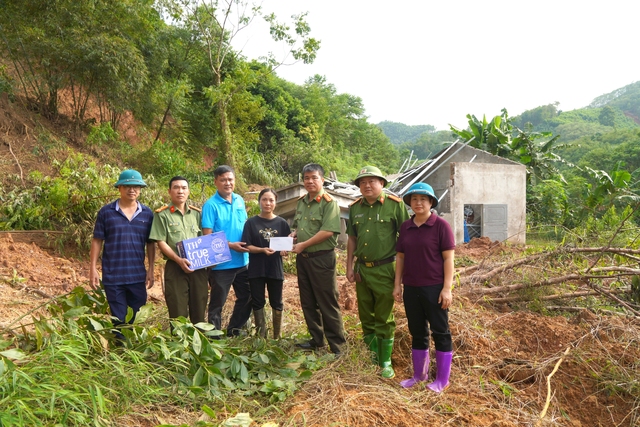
(123, 228)
(225, 211)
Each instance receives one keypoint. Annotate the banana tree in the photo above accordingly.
(534, 150)
(501, 138)
(493, 136)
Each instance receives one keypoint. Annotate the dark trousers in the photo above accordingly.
(319, 299)
(186, 294)
(424, 313)
(274, 287)
(120, 297)
(221, 282)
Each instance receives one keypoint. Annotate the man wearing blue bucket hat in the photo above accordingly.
(424, 264)
(121, 233)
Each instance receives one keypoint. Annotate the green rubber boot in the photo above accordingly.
(385, 348)
(372, 342)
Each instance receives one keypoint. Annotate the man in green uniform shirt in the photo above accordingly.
(317, 224)
(373, 226)
(185, 290)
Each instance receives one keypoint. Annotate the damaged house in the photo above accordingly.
(479, 194)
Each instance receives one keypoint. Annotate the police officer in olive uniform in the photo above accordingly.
(317, 224)
(185, 290)
(373, 227)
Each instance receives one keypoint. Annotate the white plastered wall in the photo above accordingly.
(482, 184)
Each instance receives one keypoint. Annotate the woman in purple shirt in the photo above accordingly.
(424, 264)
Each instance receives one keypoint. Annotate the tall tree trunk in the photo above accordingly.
(226, 143)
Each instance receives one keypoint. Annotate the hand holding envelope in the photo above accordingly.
(281, 243)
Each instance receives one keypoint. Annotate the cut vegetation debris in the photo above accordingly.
(503, 368)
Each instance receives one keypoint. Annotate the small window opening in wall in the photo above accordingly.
(472, 221)
(485, 220)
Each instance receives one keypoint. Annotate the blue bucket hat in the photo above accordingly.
(420, 188)
(130, 177)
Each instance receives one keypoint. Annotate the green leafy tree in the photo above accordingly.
(548, 203)
(216, 25)
(537, 117)
(500, 137)
(607, 116)
(91, 48)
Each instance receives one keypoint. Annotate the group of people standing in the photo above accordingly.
(386, 249)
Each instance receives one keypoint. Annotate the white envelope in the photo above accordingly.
(281, 243)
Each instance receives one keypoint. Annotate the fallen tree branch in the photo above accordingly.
(548, 400)
(510, 288)
(562, 307)
(17, 162)
(9, 280)
(613, 297)
(489, 275)
(154, 298)
(485, 277)
(621, 272)
(613, 236)
(553, 297)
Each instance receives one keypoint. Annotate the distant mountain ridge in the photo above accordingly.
(622, 112)
(399, 132)
(626, 99)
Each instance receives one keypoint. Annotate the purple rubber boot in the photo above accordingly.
(443, 371)
(420, 367)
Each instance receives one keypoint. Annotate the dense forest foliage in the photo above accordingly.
(183, 81)
(200, 103)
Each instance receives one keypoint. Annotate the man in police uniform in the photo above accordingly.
(317, 224)
(373, 226)
(185, 290)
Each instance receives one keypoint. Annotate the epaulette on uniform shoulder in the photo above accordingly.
(358, 200)
(301, 197)
(327, 197)
(195, 208)
(160, 209)
(395, 198)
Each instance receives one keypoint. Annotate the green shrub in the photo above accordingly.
(102, 134)
(70, 374)
(6, 82)
(70, 201)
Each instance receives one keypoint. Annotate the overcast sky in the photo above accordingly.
(434, 62)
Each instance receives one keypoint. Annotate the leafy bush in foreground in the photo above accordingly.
(67, 371)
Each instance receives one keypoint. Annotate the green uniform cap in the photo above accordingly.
(369, 171)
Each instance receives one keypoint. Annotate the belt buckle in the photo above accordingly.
(304, 254)
(369, 264)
